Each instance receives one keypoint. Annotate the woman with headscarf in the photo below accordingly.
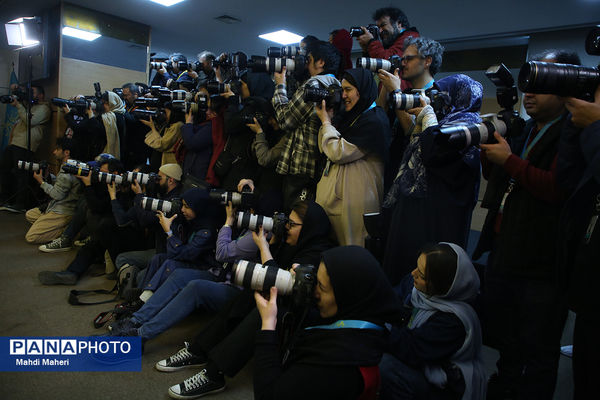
(190, 240)
(435, 188)
(437, 354)
(163, 138)
(227, 343)
(356, 148)
(327, 358)
(113, 119)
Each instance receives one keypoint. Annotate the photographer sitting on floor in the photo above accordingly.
(355, 300)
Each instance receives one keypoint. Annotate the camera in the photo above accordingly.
(163, 95)
(17, 94)
(198, 107)
(357, 31)
(32, 166)
(285, 51)
(216, 87)
(463, 136)
(245, 199)
(332, 95)
(77, 168)
(141, 178)
(231, 65)
(261, 277)
(78, 106)
(166, 207)
(275, 224)
(276, 64)
(559, 79)
(375, 64)
(157, 115)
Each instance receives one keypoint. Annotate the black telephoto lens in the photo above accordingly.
(559, 79)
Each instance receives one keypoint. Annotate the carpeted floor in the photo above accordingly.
(30, 309)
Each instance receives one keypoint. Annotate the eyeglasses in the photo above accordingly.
(410, 57)
(291, 223)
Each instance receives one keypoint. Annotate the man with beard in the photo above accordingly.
(394, 28)
(169, 188)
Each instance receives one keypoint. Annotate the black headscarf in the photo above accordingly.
(260, 84)
(199, 201)
(362, 292)
(369, 129)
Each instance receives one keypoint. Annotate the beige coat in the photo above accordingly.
(351, 187)
(166, 142)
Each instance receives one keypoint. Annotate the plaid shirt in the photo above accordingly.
(301, 151)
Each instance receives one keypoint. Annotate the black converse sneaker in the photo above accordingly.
(59, 244)
(182, 359)
(197, 386)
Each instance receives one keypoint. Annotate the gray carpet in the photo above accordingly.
(30, 309)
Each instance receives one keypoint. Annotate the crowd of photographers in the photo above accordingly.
(298, 153)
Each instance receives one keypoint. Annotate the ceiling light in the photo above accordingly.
(166, 3)
(80, 34)
(282, 37)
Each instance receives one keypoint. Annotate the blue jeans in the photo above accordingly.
(184, 291)
(139, 258)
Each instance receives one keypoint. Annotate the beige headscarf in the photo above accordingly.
(113, 145)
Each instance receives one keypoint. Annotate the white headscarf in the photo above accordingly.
(468, 358)
(109, 119)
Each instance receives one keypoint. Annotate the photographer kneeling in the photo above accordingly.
(355, 300)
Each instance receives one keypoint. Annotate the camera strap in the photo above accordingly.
(594, 219)
(348, 324)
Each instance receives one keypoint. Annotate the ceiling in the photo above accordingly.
(190, 27)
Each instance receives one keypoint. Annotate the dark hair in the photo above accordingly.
(395, 14)
(39, 88)
(328, 53)
(427, 48)
(177, 115)
(309, 40)
(560, 55)
(300, 207)
(177, 57)
(132, 87)
(114, 165)
(64, 143)
(440, 268)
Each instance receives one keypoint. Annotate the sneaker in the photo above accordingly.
(57, 278)
(82, 242)
(197, 386)
(57, 245)
(567, 351)
(182, 359)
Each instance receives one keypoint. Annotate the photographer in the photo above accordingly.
(436, 352)
(352, 182)
(206, 73)
(578, 172)
(227, 343)
(524, 301)
(48, 224)
(299, 162)
(136, 151)
(163, 138)
(196, 135)
(164, 76)
(13, 181)
(394, 29)
(435, 186)
(105, 234)
(355, 301)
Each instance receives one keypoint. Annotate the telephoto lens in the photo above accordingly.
(167, 207)
(157, 65)
(246, 220)
(261, 277)
(404, 101)
(285, 51)
(560, 79)
(463, 136)
(141, 178)
(31, 166)
(375, 64)
(275, 64)
(77, 168)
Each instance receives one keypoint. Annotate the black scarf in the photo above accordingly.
(366, 128)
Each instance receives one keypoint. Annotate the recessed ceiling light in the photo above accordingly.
(80, 34)
(282, 37)
(166, 3)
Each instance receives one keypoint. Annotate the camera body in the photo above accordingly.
(331, 94)
(356, 31)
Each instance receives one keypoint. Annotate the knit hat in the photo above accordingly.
(172, 171)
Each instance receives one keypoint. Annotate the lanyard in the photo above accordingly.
(527, 148)
(348, 323)
(429, 85)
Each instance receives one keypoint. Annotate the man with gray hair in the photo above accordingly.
(206, 73)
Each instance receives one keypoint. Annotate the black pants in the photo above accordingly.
(228, 340)
(524, 320)
(586, 354)
(15, 181)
